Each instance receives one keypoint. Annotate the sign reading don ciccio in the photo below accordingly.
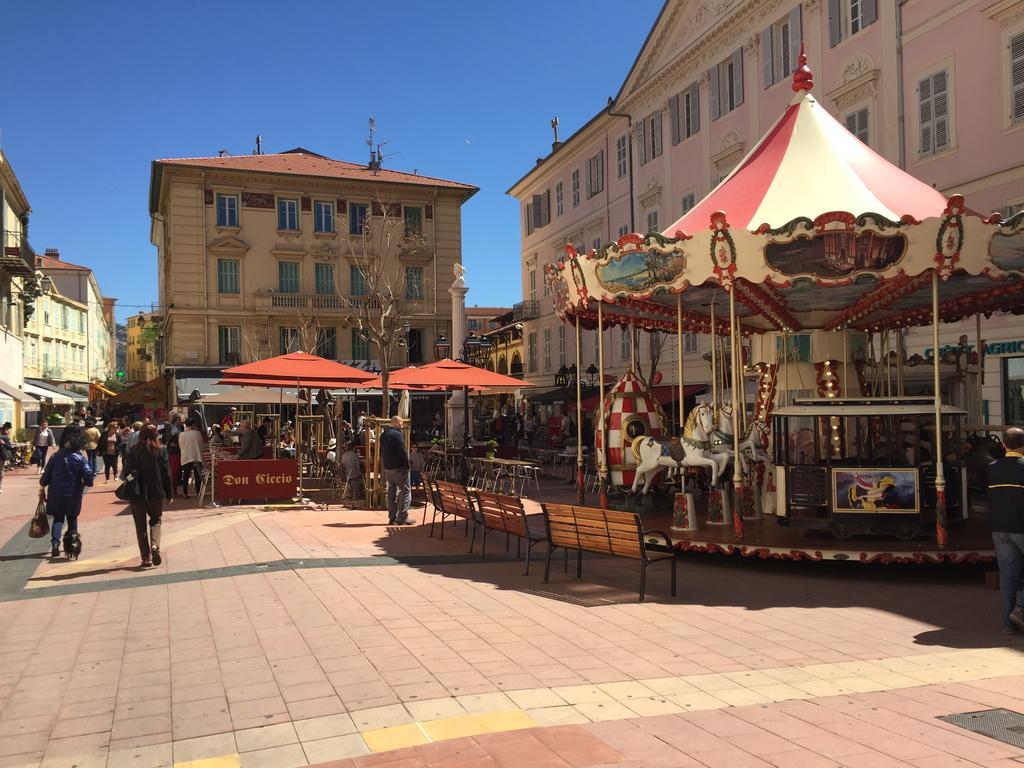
(256, 478)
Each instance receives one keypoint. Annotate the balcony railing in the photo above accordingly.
(526, 310)
(306, 300)
(17, 256)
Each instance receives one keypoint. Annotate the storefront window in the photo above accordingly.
(1013, 391)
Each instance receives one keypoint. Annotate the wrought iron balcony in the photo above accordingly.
(17, 256)
(526, 310)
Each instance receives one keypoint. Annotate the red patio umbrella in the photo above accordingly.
(310, 370)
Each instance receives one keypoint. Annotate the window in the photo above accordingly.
(547, 350)
(559, 199)
(227, 210)
(533, 283)
(356, 218)
(227, 276)
(561, 344)
(414, 344)
(64, 321)
(624, 350)
(691, 343)
(1016, 48)
(857, 124)
(649, 137)
(546, 288)
(357, 279)
(413, 220)
(684, 114)
(540, 211)
(327, 343)
(595, 174)
(81, 322)
(652, 221)
(621, 156)
(414, 282)
(288, 276)
(472, 324)
(624, 230)
(360, 345)
(848, 17)
(688, 201)
(780, 48)
(532, 351)
(323, 216)
(287, 214)
(229, 338)
(597, 244)
(727, 85)
(528, 217)
(576, 188)
(933, 111)
(289, 338)
(324, 278)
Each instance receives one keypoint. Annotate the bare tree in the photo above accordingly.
(655, 348)
(379, 251)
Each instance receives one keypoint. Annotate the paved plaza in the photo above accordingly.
(289, 637)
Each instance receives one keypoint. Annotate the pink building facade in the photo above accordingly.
(935, 86)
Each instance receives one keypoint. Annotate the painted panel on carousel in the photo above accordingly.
(1007, 247)
(631, 412)
(628, 268)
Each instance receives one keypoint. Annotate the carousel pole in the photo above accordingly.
(941, 534)
(714, 366)
(846, 359)
(679, 360)
(900, 353)
(580, 490)
(737, 479)
(981, 369)
(602, 470)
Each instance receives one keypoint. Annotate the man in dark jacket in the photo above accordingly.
(395, 460)
(252, 445)
(1006, 514)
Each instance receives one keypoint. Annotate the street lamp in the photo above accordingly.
(442, 348)
(592, 374)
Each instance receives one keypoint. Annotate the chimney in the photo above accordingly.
(53, 253)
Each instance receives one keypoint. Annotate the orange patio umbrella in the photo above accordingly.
(286, 370)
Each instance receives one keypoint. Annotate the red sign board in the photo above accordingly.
(257, 478)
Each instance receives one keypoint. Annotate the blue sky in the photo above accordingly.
(465, 90)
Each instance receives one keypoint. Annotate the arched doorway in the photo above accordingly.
(517, 365)
(503, 365)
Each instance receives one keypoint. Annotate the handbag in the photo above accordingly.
(129, 488)
(40, 526)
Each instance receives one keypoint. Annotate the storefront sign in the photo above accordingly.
(256, 478)
(992, 349)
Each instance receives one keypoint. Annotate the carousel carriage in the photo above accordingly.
(814, 243)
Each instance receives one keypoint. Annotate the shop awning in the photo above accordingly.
(49, 395)
(152, 392)
(666, 394)
(252, 396)
(559, 395)
(98, 392)
(11, 392)
(206, 385)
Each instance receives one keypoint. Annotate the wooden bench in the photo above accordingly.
(606, 532)
(499, 512)
(453, 500)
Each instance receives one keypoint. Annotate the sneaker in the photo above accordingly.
(407, 521)
(1017, 617)
(156, 556)
(54, 553)
(146, 564)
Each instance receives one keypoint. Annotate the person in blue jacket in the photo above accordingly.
(63, 482)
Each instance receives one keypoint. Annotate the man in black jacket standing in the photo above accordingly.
(1006, 513)
(395, 460)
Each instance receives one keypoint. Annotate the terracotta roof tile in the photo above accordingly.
(306, 163)
(46, 262)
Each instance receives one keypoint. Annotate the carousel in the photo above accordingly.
(805, 267)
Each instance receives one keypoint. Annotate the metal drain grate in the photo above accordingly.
(585, 602)
(1005, 725)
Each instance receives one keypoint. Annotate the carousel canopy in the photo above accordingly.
(812, 230)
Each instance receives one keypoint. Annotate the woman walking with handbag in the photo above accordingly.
(42, 443)
(66, 476)
(111, 450)
(151, 484)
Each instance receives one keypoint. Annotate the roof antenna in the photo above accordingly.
(259, 145)
(375, 157)
(221, 152)
(554, 126)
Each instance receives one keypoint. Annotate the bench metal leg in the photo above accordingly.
(579, 564)
(547, 564)
(565, 566)
(643, 579)
(529, 547)
(483, 542)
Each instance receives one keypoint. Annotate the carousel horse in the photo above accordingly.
(653, 455)
(751, 445)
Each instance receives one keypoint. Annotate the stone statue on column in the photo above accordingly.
(458, 291)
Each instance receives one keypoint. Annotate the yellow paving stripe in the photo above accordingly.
(224, 761)
(414, 734)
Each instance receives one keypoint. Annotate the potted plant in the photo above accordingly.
(490, 447)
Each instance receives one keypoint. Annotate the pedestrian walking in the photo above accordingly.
(92, 441)
(111, 451)
(42, 443)
(191, 444)
(61, 487)
(6, 450)
(172, 431)
(1006, 515)
(148, 460)
(395, 460)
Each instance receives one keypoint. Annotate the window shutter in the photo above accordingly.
(868, 12)
(641, 141)
(547, 207)
(538, 211)
(940, 109)
(766, 57)
(673, 118)
(600, 171)
(737, 76)
(656, 130)
(1017, 77)
(590, 178)
(835, 24)
(694, 109)
(716, 107)
(796, 36)
(924, 96)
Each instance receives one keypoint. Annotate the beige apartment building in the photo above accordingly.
(934, 86)
(263, 254)
(143, 347)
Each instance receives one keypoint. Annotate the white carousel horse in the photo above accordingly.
(751, 445)
(653, 455)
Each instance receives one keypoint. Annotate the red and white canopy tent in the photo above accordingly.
(812, 230)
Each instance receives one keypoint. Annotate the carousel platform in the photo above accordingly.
(764, 538)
